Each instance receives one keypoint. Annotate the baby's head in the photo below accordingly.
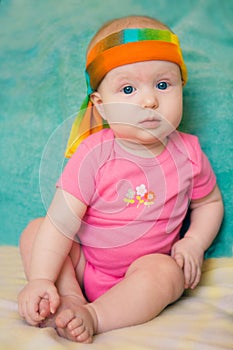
(128, 40)
(119, 43)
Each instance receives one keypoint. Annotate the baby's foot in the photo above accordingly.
(77, 324)
(67, 302)
(74, 319)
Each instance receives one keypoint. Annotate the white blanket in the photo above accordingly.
(202, 319)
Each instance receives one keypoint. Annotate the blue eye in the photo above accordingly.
(162, 85)
(128, 89)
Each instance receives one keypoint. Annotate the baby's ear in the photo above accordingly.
(96, 98)
(97, 101)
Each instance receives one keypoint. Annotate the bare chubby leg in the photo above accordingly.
(69, 285)
(26, 243)
(151, 283)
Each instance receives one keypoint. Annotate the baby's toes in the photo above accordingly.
(76, 332)
(75, 323)
(77, 329)
(65, 334)
(65, 318)
(85, 337)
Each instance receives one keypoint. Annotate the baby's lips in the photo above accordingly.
(150, 114)
(150, 123)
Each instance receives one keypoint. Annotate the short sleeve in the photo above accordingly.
(204, 178)
(78, 177)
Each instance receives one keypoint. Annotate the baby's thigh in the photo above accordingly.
(162, 271)
(78, 261)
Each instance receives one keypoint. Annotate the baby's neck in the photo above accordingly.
(141, 150)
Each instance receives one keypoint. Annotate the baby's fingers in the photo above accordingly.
(192, 273)
(196, 278)
(179, 259)
(188, 271)
(24, 309)
(32, 315)
(54, 299)
(29, 314)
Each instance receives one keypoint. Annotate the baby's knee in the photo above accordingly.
(28, 235)
(176, 277)
(26, 242)
(162, 270)
(172, 276)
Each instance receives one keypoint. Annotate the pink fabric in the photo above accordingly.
(136, 205)
(97, 282)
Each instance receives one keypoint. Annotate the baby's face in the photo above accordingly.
(142, 102)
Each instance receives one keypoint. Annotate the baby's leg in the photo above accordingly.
(74, 319)
(68, 285)
(151, 283)
(26, 242)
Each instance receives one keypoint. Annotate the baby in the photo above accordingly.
(108, 254)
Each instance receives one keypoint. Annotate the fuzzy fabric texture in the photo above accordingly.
(42, 83)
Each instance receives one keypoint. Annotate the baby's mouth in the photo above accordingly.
(150, 123)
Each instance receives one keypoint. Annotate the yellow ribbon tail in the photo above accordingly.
(87, 122)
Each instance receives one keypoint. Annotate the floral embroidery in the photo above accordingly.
(130, 196)
(141, 190)
(150, 196)
(143, 196)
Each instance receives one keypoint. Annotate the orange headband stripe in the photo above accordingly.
(132, 53)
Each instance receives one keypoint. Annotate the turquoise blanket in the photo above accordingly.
(42, 55)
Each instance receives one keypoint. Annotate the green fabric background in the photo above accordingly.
(42, 57)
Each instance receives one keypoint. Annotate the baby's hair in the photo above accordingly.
(118, 24)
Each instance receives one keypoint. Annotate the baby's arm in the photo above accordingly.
(206, 218)
(51, 247)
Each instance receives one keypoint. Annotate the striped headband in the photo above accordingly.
(124, 47)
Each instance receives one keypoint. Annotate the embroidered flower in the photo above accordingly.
(150, 196)
(141, 195)
(130, 196)
(141, 190)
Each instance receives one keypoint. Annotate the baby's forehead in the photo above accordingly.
(145, 69)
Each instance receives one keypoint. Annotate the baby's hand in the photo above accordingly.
(189, 255)
(30, 297)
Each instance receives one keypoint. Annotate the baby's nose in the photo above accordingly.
(150, 100)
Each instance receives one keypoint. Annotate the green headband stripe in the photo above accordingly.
(133, 35)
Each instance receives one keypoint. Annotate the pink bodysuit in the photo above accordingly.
(135, 205)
